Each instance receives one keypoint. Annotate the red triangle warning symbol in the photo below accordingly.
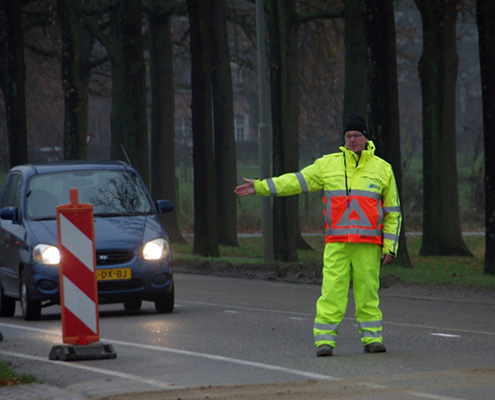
(354, 215)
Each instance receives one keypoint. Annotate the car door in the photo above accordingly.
(12, 234)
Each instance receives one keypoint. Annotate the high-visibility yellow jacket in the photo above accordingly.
(361, 201)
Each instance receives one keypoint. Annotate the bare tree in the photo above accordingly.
(284, 89)
(355, 94)
(76, 95)
(163, 184)
(14, 89)
(205, 221)
(118, 26)
(485, 13)
(223, 114)
(438, 73)
(383, 94)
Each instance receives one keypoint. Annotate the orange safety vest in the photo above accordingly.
(355, 217)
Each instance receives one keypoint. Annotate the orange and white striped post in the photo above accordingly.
(78, 287)
(78, 283)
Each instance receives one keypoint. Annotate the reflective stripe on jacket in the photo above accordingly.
(361, 201)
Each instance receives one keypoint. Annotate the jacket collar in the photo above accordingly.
(366, 154)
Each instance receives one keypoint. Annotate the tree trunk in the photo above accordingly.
(438, 73)
(383, 101)
(205, 228)
(75, 120)
(118, 150)
(15, 97)
(163, 184)
(355, 94)
(223, 114)
(87, 41)
(129, 122)
(284, 86)
(485, 13)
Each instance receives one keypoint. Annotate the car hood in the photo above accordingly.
(110, 233)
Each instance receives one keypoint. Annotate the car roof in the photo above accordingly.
(71, 165)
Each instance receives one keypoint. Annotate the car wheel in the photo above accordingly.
(31, 310)
(165, 304)
(132, 305)
(7, 305)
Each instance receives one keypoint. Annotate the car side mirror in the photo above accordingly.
(164, 206)
(10, 214)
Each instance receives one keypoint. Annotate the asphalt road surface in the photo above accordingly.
(253, 339)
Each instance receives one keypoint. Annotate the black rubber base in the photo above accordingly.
(93, 351)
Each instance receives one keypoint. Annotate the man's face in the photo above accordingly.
(355, 141)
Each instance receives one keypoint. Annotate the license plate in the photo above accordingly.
(113, 274)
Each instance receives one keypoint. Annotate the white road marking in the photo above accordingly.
(445, 335)
(311, 316)
(305, 374)
(430, 396)
(31, 329)
(123, 375)
(416, 394)
(202, 303)
(166, 385)
(245, 363)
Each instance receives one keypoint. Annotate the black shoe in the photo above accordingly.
(375, 347)
(325, 350)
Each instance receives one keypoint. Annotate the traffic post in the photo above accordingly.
(78, 284)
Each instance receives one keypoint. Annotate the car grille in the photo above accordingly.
(113, 257)
(107, 286)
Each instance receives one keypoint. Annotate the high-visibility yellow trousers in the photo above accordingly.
(341, 262)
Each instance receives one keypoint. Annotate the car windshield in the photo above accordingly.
(112, 193)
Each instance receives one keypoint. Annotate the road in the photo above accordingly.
(254, 339)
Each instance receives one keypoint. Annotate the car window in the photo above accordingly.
(13, 191)
(112, 193)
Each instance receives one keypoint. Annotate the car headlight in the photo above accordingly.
(46, 254)
(156, 249)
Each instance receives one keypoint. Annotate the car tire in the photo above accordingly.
(133, 305)
(7, 305)
(31, 310)
(165, 304)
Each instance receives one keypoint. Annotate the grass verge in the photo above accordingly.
(445, 270)
(8, 377)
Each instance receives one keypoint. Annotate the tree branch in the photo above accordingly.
(320, 14)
